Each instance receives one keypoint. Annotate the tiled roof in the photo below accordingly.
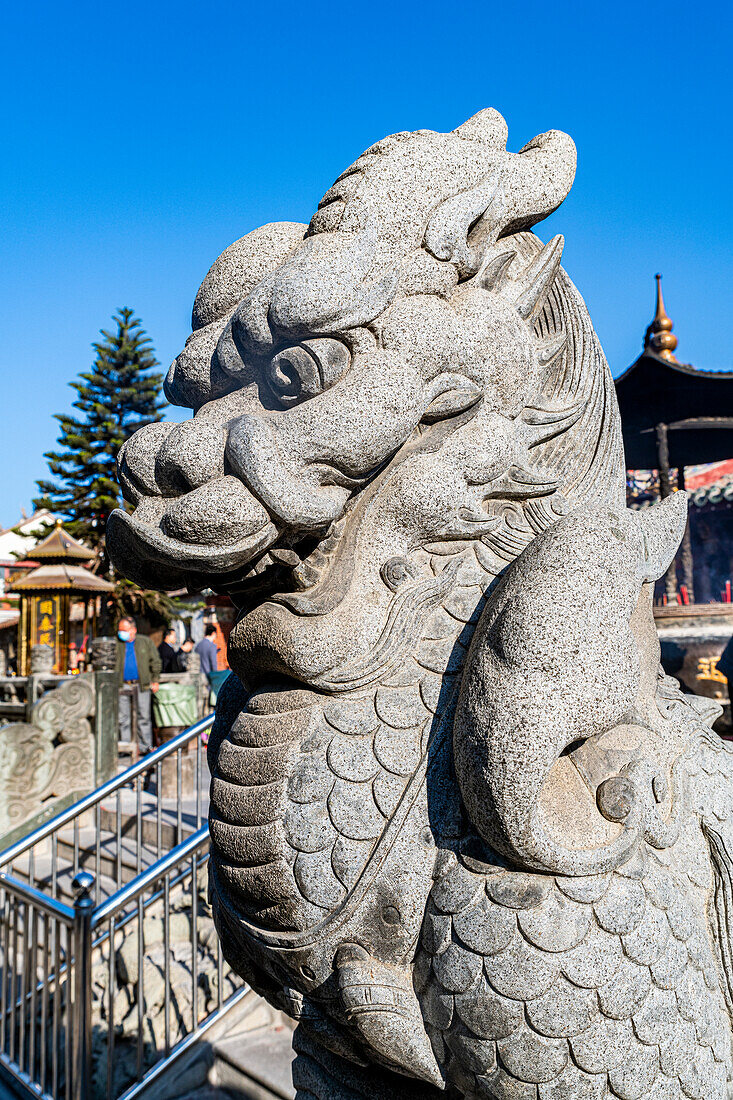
(60, 546)
(60, 577)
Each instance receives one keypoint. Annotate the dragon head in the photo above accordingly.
(412, 369)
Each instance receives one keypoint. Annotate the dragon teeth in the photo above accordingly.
(306, 575)
(285, 557)
(260, 566)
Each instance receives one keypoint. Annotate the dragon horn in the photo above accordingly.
(494, 274)
(531, 289)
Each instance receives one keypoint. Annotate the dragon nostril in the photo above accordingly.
(191, 454)
(137, 460)
(171, 479)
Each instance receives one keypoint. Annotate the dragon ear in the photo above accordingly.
(663, 526)
(518, 190)
(486, 126)
(475, 213)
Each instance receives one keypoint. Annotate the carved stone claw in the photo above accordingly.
(633, 797)
(616, 798)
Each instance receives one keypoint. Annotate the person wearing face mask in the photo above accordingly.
(138, 667)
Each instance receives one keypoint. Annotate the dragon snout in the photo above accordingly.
(136, 462)
(221, 511)
(184, 465)
(171, 459)
(213, 494)
(300, 494)
(190, 517)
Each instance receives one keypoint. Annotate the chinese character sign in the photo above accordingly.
(46, 623)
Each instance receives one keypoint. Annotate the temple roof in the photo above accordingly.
(696, 405)
(60, 578)
(59, 554)
(60, 546)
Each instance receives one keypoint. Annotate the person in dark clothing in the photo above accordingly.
(208, 651)
(168, 652)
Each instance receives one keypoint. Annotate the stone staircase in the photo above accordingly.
(247, 1055)
(78, 847)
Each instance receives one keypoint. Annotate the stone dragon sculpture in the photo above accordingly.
(463, 828)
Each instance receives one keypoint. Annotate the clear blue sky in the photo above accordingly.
(139, 140)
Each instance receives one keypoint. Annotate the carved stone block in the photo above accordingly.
(49, 757)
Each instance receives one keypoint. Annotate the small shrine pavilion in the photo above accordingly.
(59, 598)
(674, 416)
(677, 424)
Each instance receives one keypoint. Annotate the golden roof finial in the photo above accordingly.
(659, 337)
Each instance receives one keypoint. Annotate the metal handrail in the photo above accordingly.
(37, 899)
(181, 1048)
(48, 949)
(137, 886)
(94, 797)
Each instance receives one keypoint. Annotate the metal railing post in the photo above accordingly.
(106, 692)
(73, 935)
(81, 1084)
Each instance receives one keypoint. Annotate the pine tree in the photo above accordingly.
(117, 396)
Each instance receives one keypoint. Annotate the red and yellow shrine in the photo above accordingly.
(58, 598)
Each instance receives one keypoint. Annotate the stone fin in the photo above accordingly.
(543, 424)
(521, 483)
(663, 526)
(381, 1004)
(549, 349)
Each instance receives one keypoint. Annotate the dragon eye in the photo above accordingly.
(307, 369)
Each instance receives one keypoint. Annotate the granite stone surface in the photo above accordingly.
(463, 829)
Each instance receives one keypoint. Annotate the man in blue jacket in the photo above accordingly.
(138, 667)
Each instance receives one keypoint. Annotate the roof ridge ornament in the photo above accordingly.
(659, 337)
